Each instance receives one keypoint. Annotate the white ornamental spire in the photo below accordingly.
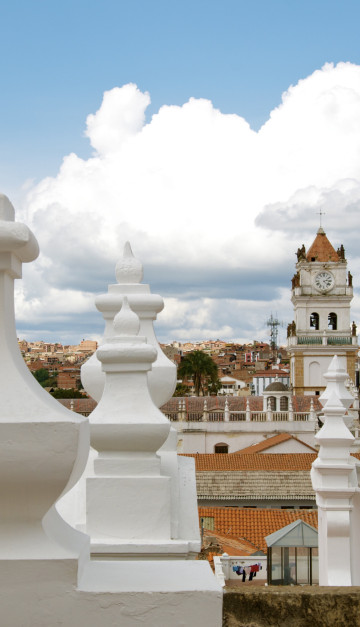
(127, 498)
(334, 479)
(129, 273)
(129, 270)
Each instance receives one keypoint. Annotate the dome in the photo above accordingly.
(277, 386)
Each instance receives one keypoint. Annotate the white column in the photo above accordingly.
(268, 411)
(205, 415)
(248, 413)
(226, 411)
(291, 411)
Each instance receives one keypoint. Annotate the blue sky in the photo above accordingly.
(58, 59)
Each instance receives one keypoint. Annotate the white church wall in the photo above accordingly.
(323, 362)
(234, 436)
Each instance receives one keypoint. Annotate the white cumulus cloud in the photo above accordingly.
(214, 209)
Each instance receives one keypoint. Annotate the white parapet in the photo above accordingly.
(47, 578)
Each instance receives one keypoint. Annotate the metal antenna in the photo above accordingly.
(273, 323)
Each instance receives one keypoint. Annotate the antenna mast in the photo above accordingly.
(273, 323)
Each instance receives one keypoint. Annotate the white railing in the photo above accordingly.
(280, 416)
(301, 417)
(216, 416)
(258, 416)
(238, 416)
(194, 416)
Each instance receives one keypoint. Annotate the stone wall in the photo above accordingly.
(292, 606)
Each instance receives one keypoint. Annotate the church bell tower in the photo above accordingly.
(321, 294)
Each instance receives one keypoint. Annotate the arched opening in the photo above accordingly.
(314, 321)
(284, 403)
(272, 400)
(221, 448)
(332, 321)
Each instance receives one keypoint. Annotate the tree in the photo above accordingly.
(44, 377)
(68, 393)
(199, 367)
(181, 390)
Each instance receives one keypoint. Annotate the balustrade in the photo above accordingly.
(335, 340)
(309, 339)
(280, 416)
(301, 417)
(236, 416)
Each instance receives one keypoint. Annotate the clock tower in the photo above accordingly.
(321, 294)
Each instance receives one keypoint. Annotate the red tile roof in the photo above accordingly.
(273, 441)
(253, 525)
(321, 249)
(266, 461)
(231, 546)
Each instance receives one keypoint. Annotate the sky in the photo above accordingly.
(209, 134)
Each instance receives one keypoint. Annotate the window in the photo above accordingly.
(314, 321)
(284, 403)
(221, 448)
(272, 400)
(332, 321)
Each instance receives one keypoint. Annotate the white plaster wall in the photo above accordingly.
(305, 308)
(229, 433)
(324, 363)
(44, 593)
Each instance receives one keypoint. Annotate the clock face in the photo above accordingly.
(324, 281)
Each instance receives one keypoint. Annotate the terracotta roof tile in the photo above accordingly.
(267, 461)
(253, 525)
(230, 545)
(321, 249)
(273, 441)
(254, 485)
(79, 405)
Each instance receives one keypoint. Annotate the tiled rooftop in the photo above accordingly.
(251, 485)
(79, 405)
(266, 462)
(273, 441)
(321, 249)
(253, 525)
(231, 546)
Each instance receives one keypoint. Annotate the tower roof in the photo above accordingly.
(321, 249)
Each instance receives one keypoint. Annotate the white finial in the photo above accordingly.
(7, 211)
(126, 322)
(128, 269)
(336, 377)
